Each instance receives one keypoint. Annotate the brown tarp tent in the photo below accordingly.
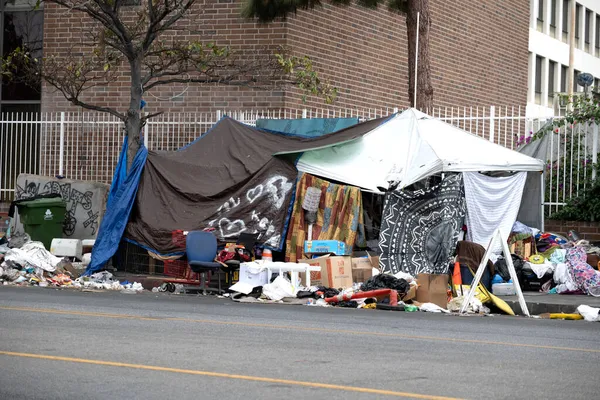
(235, 179)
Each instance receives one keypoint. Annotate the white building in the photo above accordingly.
(549, 50)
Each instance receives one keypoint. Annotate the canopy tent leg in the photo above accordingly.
(543, 217)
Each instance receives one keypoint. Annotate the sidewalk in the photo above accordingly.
(539, 303)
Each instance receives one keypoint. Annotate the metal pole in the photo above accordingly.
(146, 133)
(542, 182)
(62, 144)
(571, 78)
(594, 151)
(416, 60)
(492, 122)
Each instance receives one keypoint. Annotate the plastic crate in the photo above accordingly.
(176, 268)
(178, 238)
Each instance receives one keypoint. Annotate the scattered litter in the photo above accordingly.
(590, 314)
(280, 288)
(475, 306)
(434, 308)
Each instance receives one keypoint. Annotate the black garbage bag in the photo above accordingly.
(348, 304)
(385, 281)
(502, 269)
(326, 292)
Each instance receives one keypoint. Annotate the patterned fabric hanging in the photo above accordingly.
(340, 216)
(419, 229)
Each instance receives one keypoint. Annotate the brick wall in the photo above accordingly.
(478, 53)
(478, 50)
(586, 230)
(210, 21)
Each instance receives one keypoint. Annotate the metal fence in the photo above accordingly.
(86, 145)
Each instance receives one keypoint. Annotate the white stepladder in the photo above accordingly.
(511, 269)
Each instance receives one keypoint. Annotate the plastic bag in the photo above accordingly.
(502, 269)
(590, 314)
(434, 308)
(541, 269)
(33, 254)
(475, 306)
(403, 275)
(385, 281)
(279, 289)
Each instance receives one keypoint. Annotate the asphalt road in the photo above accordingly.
(59, 344)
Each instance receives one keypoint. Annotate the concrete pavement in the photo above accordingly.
(157, 346)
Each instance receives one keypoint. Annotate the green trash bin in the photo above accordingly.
(43, 219)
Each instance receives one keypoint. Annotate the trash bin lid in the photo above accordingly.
(44, 202)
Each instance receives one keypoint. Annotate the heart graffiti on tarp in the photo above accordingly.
(260, 208)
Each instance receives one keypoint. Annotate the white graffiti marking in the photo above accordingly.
(273, 241)
(229, 205)
(264, 223)
(278, 193)
(230, 228)
(254, 193)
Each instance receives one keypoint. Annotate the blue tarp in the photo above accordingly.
(118, 208)
(310, 128)
(120, 172)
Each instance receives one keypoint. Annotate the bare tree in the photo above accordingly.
(269, 10)
(143, 41)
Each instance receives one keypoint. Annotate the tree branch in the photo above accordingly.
(93, 107)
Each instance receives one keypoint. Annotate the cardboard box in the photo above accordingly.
(362, 268)
(411, 294)
(326, 247)
(336, 271)
(433, 289)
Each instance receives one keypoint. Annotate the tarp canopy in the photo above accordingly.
(408, 147)
(306, 127)
(228, 180)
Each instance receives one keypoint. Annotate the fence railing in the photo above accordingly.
(86, 146)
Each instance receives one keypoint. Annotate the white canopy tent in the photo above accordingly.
(409, 147)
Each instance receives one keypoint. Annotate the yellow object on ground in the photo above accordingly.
(486, 297)
(561, 316)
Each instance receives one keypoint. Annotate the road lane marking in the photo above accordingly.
(296, 328)
(228, 376)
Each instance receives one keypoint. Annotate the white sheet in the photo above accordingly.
(492, 203)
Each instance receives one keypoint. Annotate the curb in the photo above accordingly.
(536, 308)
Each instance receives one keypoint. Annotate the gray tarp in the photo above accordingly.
(530, 212)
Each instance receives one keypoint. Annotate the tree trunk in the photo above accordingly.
(133, 123)
(424, 87)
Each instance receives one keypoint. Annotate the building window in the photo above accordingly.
(577, 22)
(564, 71)
(575, 85)
(565, 16)
(538, 79)
(22, 28)
(540, 15)
(598, 32)
(588, 27)
(551, 71)
(553, 13)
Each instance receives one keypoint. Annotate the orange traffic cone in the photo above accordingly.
(457, 277)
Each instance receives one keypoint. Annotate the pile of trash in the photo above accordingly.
(550, 263)
(27, 263)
